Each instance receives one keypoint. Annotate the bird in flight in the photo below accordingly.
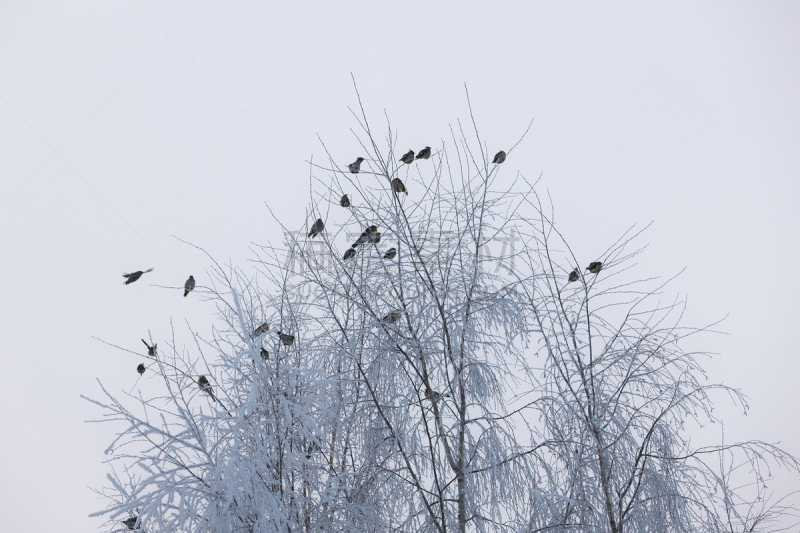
(408, 157)
(317, 228)
(133, 276)
(345, 201)
(188, 286)
(397, 186)
(425, 153)
(151, 350)
(595, 267)
(499, 157)
(355, 168)
(390, 253)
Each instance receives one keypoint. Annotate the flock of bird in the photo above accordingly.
(369, 236)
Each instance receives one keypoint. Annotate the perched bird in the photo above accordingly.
(574, 276)
(436, 396)
(349, 254)
(130, 523)
(392, 317)
(425, 153)
(264, 354)
(408, 157)
(374, 238)
(286, 339)
(188, 286)
(317, 228)
(390, 253)
(205, 386)
(355, 167)
(151, 350)
(367, 236)
(133, 276)
(141, 368)
(260, 330)
(397, 186)
(345, 201)
(595, 267)
(499, 157)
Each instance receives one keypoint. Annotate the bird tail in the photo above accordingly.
(148, 270)
(406, 193)
(145, 343)
(185, 293)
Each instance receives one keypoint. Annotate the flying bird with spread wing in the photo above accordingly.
(133, 276)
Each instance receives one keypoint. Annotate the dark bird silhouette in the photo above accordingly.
(345, 201)
(141, 368)
(595, 267)
(408, 157)
(499, 157)
(425, 153)
(286, 339)
(260, 330)
(188, 286)
(367, 236)
(130, 523)
(574, 276)
(397, 186)
(205, 386)
(151, 350)
(317, 228)
(350, 253)
(264, 354)
(390, 253)
(392, 317)
(436, 396)
(133, 276)
(355, 168)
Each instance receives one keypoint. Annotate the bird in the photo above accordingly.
(390, 253)
(374, 238)
(349, 254)
(141, 368)
(133, 276)
(367, 236)
(130, 523)
(499, 157)
(286, 339)
(260, 330)
(408, 157)
(436, 396)
(317, 228)
(574, 276)
(355, 167)
(205, 386)
(425, 153)
(151, 350)
(345, 201)
(264, 354)
(188, 286)
(595, 267)
(392, 317)
(397, 186)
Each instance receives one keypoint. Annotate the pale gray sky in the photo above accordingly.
(125, 123)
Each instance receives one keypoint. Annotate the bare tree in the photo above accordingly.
(473, 379)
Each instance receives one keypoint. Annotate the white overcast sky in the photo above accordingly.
(123, 123)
